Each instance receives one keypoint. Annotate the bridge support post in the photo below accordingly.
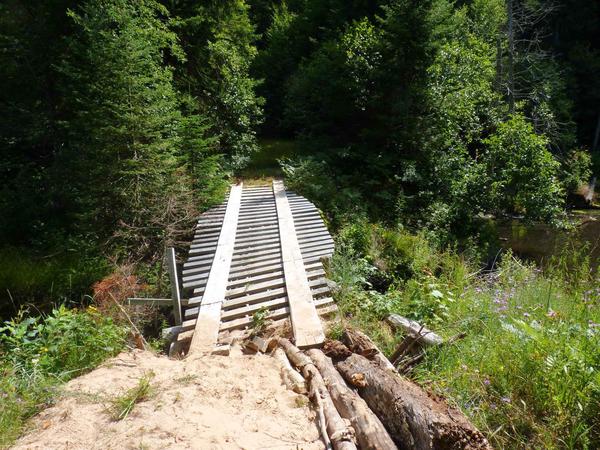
(174, 278)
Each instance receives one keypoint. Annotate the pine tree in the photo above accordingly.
(123, 141)
(218, 40)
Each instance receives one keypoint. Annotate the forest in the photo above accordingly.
(412, 124)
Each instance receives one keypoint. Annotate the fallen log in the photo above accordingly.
(414, 330)
(340, 434)
(360, 343)
(370, 432)
(292, 379)
(413, 418)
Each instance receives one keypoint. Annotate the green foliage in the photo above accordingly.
(576, 169)
(259, 320)
(522, 173)
(123, 128)
(63, 344)
(217, 38)
(37, 354)
(64, 277)
(524, 326)
(527, 371)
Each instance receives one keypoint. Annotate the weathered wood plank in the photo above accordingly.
(207, 324)
(306, 325)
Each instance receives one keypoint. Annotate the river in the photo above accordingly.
(539, 242)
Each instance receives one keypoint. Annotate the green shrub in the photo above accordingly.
(522, 173)
(26, 277)
(37, 354)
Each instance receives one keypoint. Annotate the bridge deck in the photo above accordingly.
(259, 250)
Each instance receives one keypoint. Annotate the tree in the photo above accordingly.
(121, 154)
(31, 41)
(218, 40)
(521, 172)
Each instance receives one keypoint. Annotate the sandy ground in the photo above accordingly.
(211, 402)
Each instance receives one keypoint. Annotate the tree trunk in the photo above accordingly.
(339, 433)
(511, 56)
(596, 135)
(360, 343)
(414, 419)
(370, 432)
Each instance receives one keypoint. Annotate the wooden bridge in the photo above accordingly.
(260, 250)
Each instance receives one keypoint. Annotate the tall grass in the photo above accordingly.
(528, 371)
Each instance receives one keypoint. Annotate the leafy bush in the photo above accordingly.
(39, 353)
(64, 277)
(522, 173)
(576, 169)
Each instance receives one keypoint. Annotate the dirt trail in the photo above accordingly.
(213, 402)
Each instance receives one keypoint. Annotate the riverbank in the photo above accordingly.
(526, 371)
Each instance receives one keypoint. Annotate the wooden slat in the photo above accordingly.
(206, 330)
(274, 315)
(306, 325)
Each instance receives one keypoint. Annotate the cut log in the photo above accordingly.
(292, 379)
(413, 418)
(360, 343)
(370, 432)
(340, 434)
(424, 336)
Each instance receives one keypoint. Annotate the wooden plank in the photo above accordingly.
(255, 269)
(273, 258)
(253, 288)
(173, 277)
(206, 330)
(256, 243)
(248, 255)
(321, 304)
(254, 298)
(306, 325)
(251, 309)
(235, 284)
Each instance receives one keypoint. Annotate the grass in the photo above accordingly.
(122, 405)
(528, 371)
(39, 354)
(264, 166)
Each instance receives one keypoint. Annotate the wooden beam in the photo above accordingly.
(207, 324)
(306, 325)
(147, 301)
(174, 278)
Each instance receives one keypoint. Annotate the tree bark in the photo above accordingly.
(414, 419)
(511, 56)
(370, 432)
(340, 434)
(360, 343)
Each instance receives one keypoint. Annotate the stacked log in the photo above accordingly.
(414, 419)
(361, 399)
